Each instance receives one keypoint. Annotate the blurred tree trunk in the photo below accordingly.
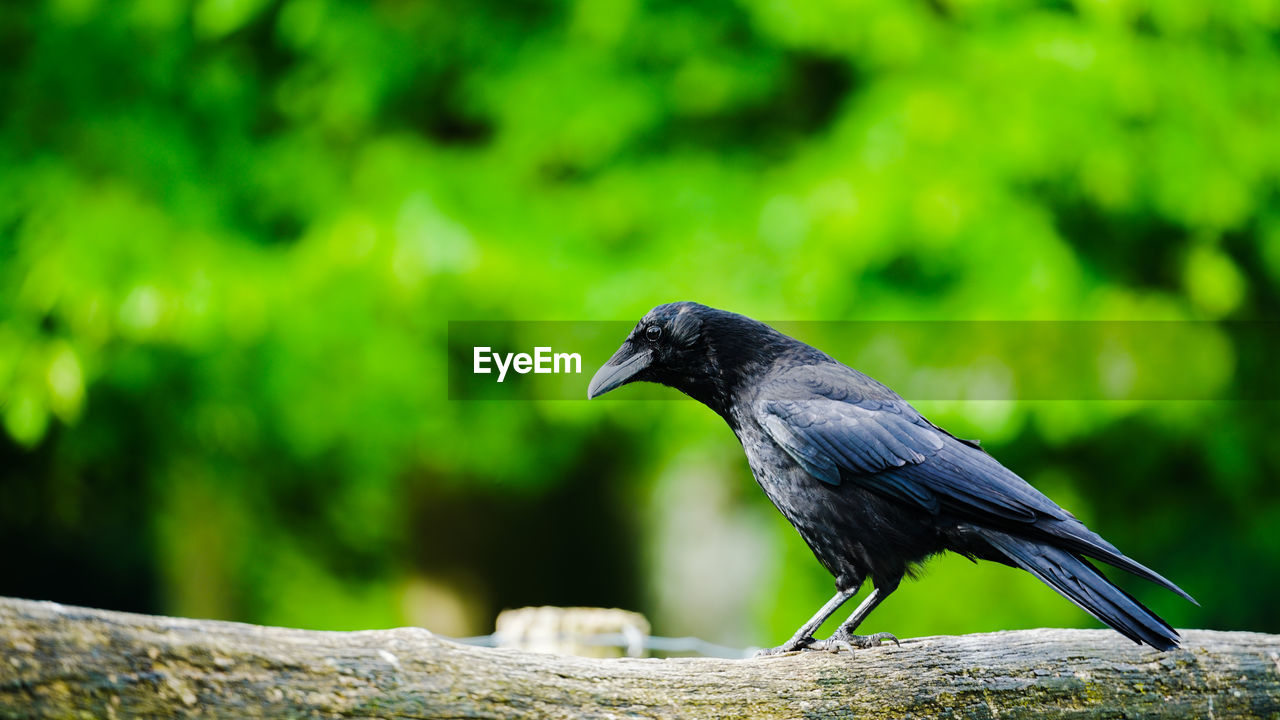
(61, 661)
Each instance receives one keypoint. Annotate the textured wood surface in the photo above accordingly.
(59, 661)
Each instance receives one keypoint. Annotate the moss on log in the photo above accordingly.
(60, 661)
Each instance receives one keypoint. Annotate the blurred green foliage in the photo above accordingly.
(232, 233)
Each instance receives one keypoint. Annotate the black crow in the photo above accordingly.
(871, 485)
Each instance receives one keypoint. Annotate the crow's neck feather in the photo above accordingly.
(739, 351)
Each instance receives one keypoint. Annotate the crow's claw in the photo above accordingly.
(874, 640)
(790, 647)
(834, 644)
(845, 641)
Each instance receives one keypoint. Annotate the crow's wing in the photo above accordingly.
(841, 425)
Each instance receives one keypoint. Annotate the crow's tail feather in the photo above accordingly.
(1080, 582)
(1078, 538)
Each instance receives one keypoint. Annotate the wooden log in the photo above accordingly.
(58, 661)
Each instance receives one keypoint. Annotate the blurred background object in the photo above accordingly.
(232, 233)
(572, 631)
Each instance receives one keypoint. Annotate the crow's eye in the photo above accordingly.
(652, 333)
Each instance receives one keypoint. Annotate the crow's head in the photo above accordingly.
(695, 349)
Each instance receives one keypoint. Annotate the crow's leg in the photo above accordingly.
(804, 636)
(844, 639)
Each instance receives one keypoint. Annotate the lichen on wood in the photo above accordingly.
(61, 661)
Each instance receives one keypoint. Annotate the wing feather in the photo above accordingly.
(841, 425)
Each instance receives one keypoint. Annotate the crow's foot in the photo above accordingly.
(789, 647)
(845, 641)
(837, 642)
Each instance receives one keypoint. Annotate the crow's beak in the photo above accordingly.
(619, 370)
